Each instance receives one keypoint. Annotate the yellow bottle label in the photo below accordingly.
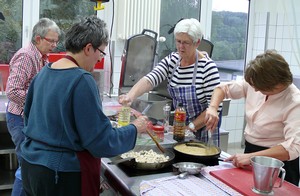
(124, 116)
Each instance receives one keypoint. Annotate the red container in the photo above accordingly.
(100, 64)
(52, 57)
(158, 132)
(4, 72)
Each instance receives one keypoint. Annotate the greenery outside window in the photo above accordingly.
(65, 14)
(11, 29)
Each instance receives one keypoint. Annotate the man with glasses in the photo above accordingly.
(24, 65)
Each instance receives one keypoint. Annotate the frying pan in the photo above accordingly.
(130, 162)
(210, 160)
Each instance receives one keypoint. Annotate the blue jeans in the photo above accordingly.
(15, 125)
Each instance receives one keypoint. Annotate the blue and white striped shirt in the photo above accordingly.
(206, 80)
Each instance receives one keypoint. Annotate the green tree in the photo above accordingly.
(229, 35)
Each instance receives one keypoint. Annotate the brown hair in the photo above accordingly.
(268, 70)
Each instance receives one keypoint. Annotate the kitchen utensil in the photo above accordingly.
(209, 146)
(147, 166)
(189, 167)
(146, 109)
(157, 101)
(155, 141)
(196, 145)
(265, 173)
(115, 162)
(206, 159)
(183, 175)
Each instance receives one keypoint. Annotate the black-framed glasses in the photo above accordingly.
(103, 53)
(50, 40)
(184, 43)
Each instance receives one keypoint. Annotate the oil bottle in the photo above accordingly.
(124, 116)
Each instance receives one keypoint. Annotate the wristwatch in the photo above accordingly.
(192, 126)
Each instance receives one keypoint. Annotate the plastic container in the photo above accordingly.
(124, 116)
(179, 123)
(158, 131)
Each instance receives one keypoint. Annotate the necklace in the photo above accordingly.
(71, 59)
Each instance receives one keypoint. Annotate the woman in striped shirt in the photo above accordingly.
(191, 74)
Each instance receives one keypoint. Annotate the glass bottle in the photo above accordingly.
(179, 123)
(166, 124)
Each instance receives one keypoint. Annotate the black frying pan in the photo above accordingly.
(130, 162)
(211, 159)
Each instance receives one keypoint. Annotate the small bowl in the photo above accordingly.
(189, 167)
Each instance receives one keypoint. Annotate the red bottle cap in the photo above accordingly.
(158, 128)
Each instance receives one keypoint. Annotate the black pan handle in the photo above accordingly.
(121, 161)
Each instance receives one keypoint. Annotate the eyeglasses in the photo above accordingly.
(50, 40)
(184, 43)
(102, 53)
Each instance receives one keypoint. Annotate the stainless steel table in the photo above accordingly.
(3, 102)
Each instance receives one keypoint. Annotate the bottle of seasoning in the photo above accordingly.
(167, 110)
(124, 116)
(179, 123)
(158, 131)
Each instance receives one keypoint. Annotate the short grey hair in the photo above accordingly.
(90, 30)
(42, 27)
(190, 26)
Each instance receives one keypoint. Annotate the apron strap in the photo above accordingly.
(90, 173)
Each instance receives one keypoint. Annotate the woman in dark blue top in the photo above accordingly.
(65, 127)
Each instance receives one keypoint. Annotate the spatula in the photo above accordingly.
(209, 144)
(156, 142)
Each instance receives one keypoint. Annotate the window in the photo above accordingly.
(229, 36)
(65, 14)
(171, 12)
(11, 29)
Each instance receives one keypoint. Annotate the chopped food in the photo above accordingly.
(146, 156)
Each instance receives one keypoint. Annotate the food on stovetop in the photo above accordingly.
(146, 156)
(196, 149)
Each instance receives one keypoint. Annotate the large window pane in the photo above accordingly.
(171, 12)
(11, 28)
(228, 34)
(65, 13)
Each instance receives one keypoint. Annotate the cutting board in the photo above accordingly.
(242, 181)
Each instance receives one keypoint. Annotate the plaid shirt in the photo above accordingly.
(24, 65)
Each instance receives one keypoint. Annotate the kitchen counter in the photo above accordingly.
(3, 102)
(118, 179)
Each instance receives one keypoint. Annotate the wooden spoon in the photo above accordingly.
(157, 144)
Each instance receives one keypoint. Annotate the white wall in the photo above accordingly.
(273, 25)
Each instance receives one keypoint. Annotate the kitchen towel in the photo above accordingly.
(174, 186)
(223, 165)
